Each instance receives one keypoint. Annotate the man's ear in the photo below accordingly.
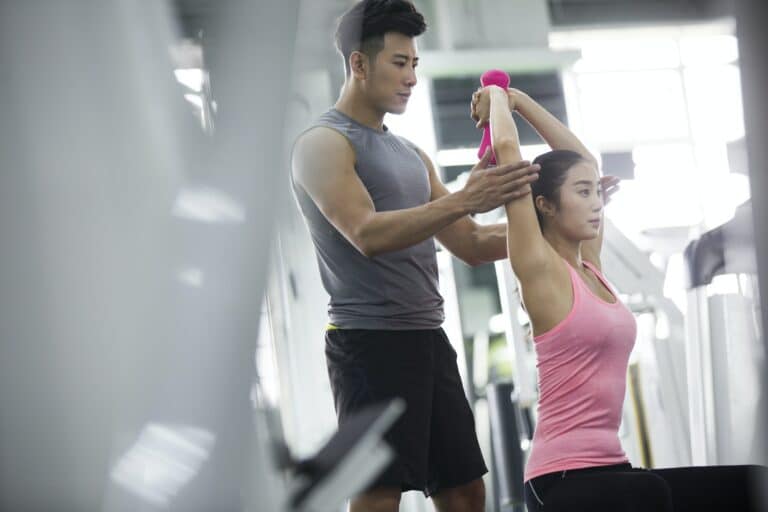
(358, 63)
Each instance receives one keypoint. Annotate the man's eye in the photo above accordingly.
(400, 64)
(584, 193)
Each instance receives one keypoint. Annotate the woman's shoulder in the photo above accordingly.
(549, 295)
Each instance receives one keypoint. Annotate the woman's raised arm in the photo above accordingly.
(559, 136)
(527, 249)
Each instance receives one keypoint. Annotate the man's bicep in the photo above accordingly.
(323, 165)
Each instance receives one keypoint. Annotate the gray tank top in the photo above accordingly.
(394, 290)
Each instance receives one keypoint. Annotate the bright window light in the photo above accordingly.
(714, 101)
(724, 284)
(531, 151)
(657, 164)
(266, 366)
(208, 205)
(709, 50)
(722, 196)
(194, 99)
(675, 281)
(162, 461)
(641, 205)
(468, 156)
(632, 54)
(456, 157)
(672, 96)
(626, 106)
(191, 78)
(662, 330)
(416, 124)
(661, 194)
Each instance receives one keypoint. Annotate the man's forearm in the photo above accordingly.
(491, 242)
(395, 230)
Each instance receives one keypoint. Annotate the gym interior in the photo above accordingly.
(162, 311)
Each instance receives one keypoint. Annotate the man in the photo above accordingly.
(373, 203)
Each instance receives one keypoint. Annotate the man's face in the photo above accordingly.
(392, 75)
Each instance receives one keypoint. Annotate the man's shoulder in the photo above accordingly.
(327, 125)
(321, 139)
(320, 148)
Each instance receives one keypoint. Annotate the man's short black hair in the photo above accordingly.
(363, 26)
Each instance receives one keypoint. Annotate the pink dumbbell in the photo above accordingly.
(491, 77)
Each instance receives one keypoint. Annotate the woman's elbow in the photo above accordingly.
(506, 145)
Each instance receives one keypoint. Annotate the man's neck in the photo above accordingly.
(352, 104)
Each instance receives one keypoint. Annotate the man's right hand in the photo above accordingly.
(487, 189)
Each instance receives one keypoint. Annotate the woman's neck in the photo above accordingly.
(569, 250)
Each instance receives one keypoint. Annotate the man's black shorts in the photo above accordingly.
(435, 439)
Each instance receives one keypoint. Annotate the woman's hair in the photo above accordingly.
(554, 170)
(363, 26)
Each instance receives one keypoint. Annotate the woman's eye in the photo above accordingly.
(584, 193)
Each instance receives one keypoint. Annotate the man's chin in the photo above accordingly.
(397, 109)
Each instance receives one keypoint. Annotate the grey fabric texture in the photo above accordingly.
(394, 290)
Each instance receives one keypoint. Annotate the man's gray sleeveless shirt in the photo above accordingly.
(394, 290)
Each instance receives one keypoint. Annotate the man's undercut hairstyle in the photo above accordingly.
(363, 26)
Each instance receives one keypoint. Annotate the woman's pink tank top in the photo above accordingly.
(582, 364)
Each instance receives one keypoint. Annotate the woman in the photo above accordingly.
(583, 336)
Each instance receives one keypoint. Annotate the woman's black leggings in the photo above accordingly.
(622, 488)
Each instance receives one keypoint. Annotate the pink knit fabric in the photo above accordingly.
(582, 364)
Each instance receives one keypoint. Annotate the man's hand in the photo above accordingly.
(487, 189)
(609, 186)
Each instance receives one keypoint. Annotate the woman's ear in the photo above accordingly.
(358, 63)
(545, 207)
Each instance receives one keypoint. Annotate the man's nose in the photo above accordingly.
(411, 79)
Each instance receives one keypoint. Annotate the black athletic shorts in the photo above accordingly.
(434, 440)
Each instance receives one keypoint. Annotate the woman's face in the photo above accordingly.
(580, 212)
